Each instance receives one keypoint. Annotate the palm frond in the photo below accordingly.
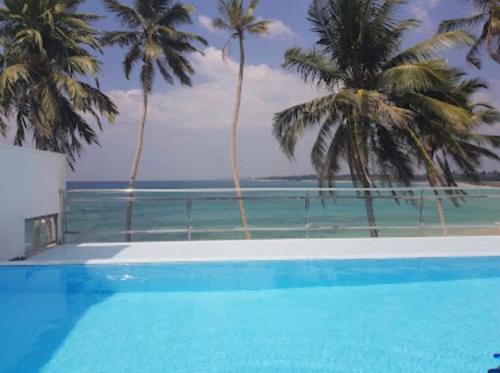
(120, 38)
(3, 126)
(29, 36)
(429, 48)
(416, 77)
(442, 111)
(462, 23)
(237, 21)
(11, 75)
(290, 124)
(321, 146)
(377, 108)
(177, 14)
(220, 24)
(473, 54)
(131, 58)
(259, 27)
(313, 66)
(162, 67)
(126, 15)
(328, 164)
(251, 8)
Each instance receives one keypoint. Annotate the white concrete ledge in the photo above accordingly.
(210, 251)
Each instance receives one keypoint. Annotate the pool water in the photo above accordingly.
(390, 316)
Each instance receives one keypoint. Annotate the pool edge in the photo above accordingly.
(266, 250)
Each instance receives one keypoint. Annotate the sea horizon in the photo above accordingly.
(191, 184)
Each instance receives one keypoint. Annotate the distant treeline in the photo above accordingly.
(484, 176)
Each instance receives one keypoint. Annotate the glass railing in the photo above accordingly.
(213, 214)
(40, 233)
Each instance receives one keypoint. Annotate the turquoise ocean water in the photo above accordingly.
(100, 217)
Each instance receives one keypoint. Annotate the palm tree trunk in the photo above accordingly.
(367, 197)
(359, 161)
(135, 167)
(439, 204)
(234, 159)
(370, 214)
(432, 176)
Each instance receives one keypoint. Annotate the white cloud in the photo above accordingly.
(422, 11)
(206, 23)
(279, 30)
(209, 104)
(187, 134)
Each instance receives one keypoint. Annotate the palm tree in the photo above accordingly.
(238, 21)
(450, 135)
(488, 18)
(467, 148)
(45, 65)
(152, 39)
(357, 60)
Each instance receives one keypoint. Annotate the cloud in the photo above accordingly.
(187, 134)
(277, 29)
(206, 23)
(209, 103)
(422, 11)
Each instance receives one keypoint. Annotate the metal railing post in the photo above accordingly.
(189, 208)
(63, 218)
(421, 218)
(307, 206)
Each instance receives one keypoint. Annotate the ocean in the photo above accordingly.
(101, 216)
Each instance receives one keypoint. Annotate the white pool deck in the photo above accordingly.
(210, 251)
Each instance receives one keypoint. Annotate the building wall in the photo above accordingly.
(30, 186)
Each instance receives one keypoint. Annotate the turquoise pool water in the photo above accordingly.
(391, 316)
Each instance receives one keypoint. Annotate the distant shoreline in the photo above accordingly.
(486, 179)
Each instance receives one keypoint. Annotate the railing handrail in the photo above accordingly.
(309, 189)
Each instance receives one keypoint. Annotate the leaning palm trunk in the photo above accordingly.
(370, 214)
(370, 211)
(239, 21)
(234, 160)
(439, 204)
(135, 168)
(359, 161)
(432, 176)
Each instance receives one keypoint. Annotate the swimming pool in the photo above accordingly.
(425, 315)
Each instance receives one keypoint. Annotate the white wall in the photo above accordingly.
(30, 185)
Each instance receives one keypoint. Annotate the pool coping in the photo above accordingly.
(266, 250)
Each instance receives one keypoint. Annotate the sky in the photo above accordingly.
(188, 129)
